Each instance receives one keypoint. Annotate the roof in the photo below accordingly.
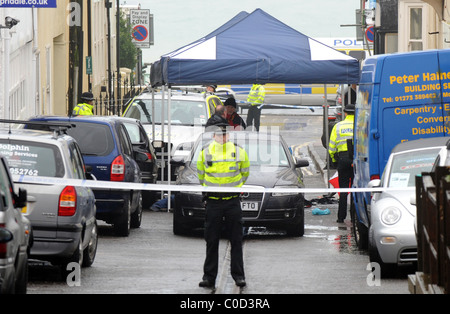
(255, 48)
(421, 143)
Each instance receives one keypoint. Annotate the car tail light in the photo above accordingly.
(3, 246)
(67, 202)
(375, 177)
(149, 156)
(118, 169)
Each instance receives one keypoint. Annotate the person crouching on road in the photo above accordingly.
(223, 164)
(339, 152)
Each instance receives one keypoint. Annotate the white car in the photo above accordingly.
(392, 238)
(189, 113)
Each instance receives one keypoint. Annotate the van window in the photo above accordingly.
(32, 158)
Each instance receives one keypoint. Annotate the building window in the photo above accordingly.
(415, 29)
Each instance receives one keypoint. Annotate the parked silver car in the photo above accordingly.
(392, 238)
(15, 232)
(62, 216)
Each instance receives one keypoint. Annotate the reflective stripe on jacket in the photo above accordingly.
(339, 135)
(224, 165)
(83, 110)
(256, 95)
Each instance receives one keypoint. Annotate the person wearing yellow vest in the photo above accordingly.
(339, 152)
(223, 164)
(86, 107)
(255, 98)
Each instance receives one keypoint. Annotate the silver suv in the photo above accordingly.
(15, 232)
(62, 216)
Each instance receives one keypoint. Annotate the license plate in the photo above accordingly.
(249, 206)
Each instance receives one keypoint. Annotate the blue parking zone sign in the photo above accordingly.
(27, 3)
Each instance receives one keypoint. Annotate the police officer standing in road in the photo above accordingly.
(340, 153)
(86, 107)
(223, 164)
(255, 98)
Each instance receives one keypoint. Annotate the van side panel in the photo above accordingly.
(402, 97)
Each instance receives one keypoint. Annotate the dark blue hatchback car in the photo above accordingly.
(106, 147)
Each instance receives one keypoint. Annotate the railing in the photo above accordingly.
(103, 105)
(433, 233)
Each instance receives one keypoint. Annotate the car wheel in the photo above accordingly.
(77, 257)
(136, 217)
(91, 250)
(297, 229)
(178, 227)
(22, 277)
(360, 231)
(122, 225)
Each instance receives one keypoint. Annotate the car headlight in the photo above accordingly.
(285, 193)
(391, 215)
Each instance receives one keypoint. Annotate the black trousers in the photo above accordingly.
(254, 114)
(345, 173)
(229, 213)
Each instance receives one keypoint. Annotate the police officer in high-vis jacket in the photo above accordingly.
(256, 99)
(86, 107)
(341, 153)
(223, 164)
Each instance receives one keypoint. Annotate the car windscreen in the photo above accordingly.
(262, 152)
(94, 139)
(407, 165)
(32, 158)
(183, 111)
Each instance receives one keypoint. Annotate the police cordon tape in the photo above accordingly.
(98, 184)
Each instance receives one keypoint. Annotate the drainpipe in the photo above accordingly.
(6, 59)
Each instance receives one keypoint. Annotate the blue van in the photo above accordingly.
(107, 148)
(401, 97)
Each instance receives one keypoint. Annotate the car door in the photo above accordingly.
(132, 172)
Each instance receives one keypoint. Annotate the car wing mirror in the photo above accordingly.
(159, 145)
(140, 156)
(20, 200)
(412, 199)
(178, 161)
(301, 163)
(374, 184)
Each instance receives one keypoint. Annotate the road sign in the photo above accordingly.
(370, 34)
(142, 28)
(88, 65)
(28, 4)
(140, 33)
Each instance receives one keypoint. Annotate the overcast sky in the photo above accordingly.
(180, 22)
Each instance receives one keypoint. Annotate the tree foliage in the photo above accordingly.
(128, 51)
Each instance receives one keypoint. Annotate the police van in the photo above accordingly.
(401, 97)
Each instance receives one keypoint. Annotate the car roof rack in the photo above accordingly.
(58, 128)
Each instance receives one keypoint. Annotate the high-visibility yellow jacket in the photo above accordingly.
(223, 165)
(83, 110)
(256, 95)
(339, 135)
